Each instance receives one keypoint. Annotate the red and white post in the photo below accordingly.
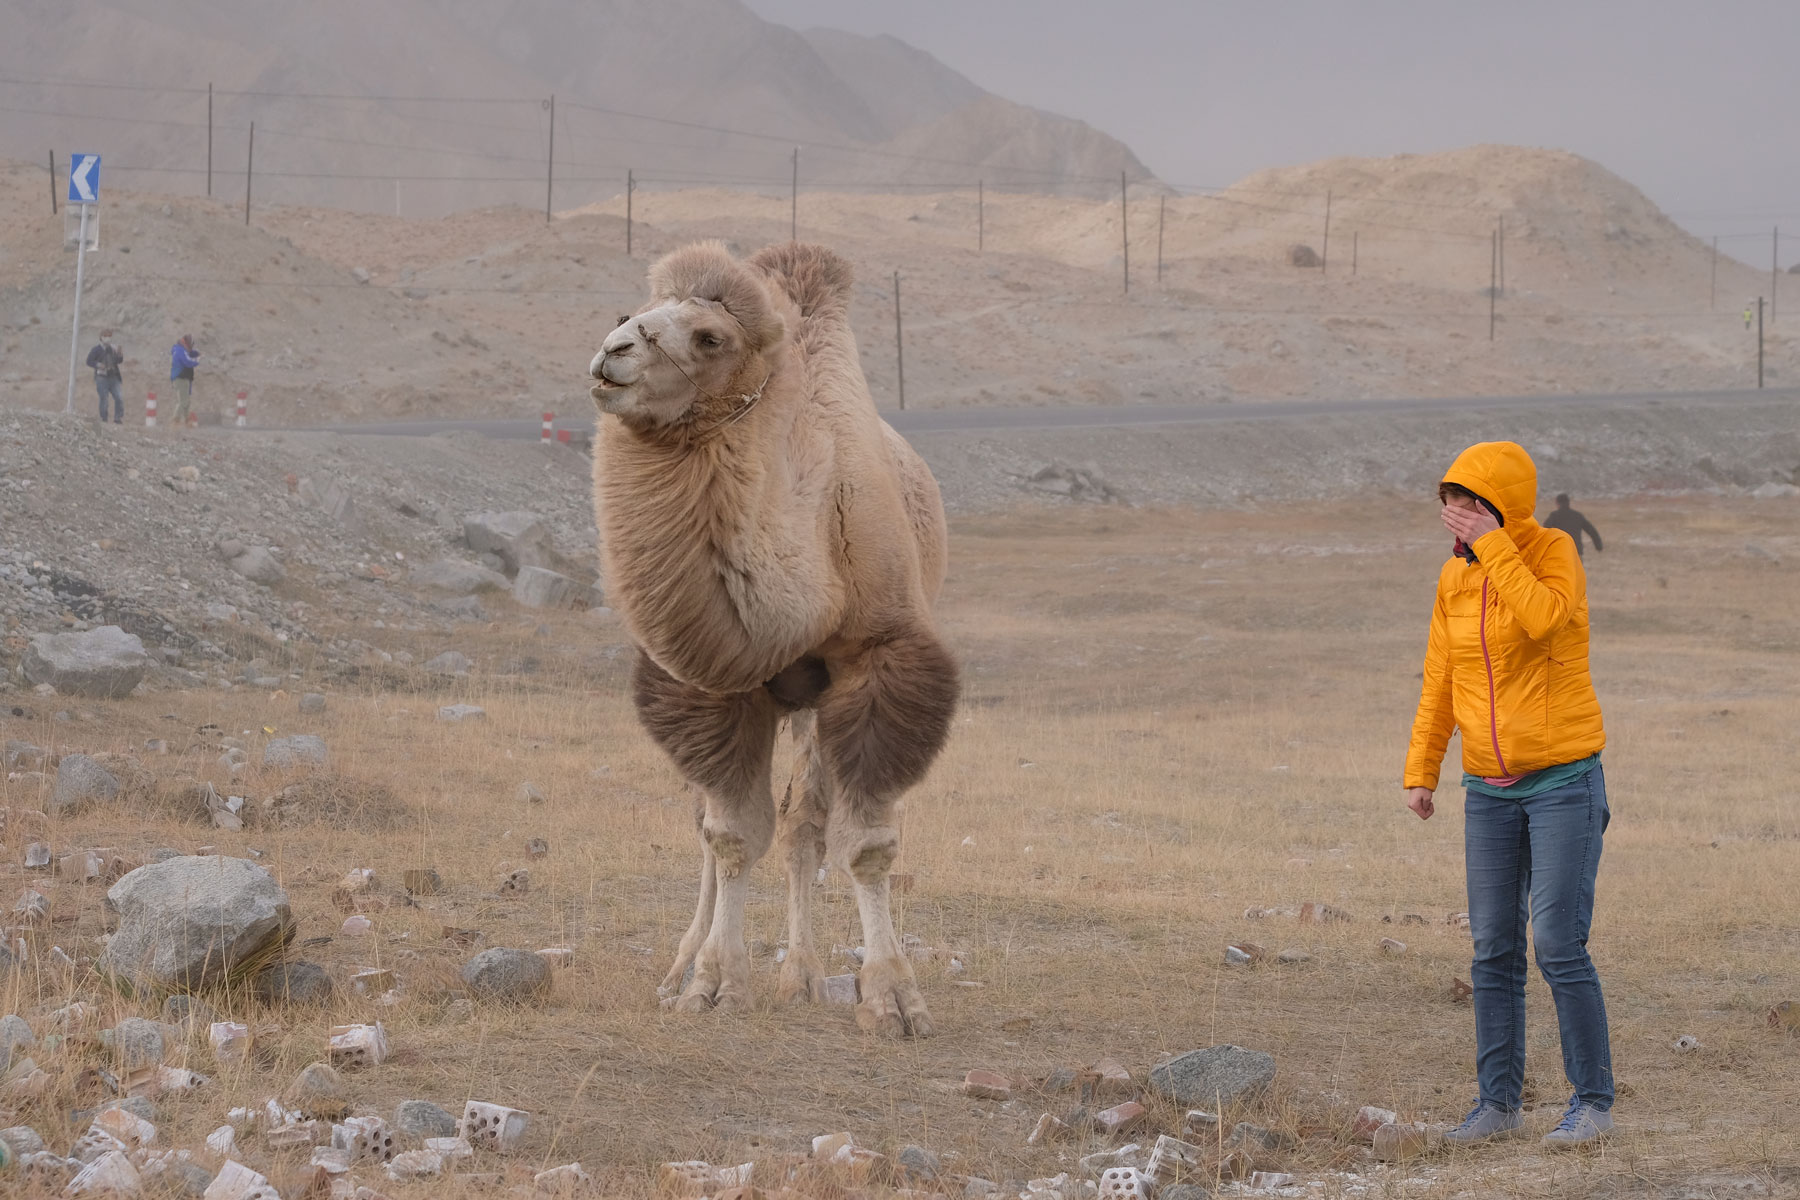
(150, 411)
(549, 420)
(243, 413)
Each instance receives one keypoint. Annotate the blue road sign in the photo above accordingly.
(84, 178)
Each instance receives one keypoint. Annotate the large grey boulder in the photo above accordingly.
(505, 974)
(259, 566)
(80, 781)
(518, 539)
(536, 587)
(450, 662)
(421, 1119)
(187, 923)
(301, 750)
(104, 663)
(1216, 1077)
(459, 578)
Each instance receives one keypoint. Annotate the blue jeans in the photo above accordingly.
(103, 385)
(1543, 851)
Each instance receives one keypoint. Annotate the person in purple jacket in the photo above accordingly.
(183, 358)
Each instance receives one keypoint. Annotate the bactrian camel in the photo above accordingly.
(774, 549)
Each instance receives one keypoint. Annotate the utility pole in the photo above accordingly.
(53, 183)
(209, 140)
(1759, 341)
(75, 326)
(980, 214)
(1774, 273)
(1712, 289)
(1325, 246)
(794, 201)
(1162, 204)
(550, 163)
(1125, 231)
(1493, 278)
(630, 186)
(1353, 252)
(1501, 234)
(249, 169)
(899, 345)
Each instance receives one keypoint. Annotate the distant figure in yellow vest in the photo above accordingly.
(1572, 523)
(1747, 313)
(183, 358)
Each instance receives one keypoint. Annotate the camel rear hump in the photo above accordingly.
(816, 279)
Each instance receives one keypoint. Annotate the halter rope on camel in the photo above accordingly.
(748, 399)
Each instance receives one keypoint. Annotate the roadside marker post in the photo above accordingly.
(150, 411)
(549, 420)
(84, 190)
(243, 417)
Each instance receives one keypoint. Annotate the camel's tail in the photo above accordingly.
(816, 279)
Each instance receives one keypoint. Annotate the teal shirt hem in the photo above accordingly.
(1536, 783)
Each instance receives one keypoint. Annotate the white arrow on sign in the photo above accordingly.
(78, 178)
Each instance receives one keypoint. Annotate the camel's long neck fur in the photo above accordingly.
(711, 539)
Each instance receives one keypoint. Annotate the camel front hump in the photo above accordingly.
(774, 549)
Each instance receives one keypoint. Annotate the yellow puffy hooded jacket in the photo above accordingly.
(1507, 659)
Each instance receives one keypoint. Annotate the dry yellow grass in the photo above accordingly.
(1168, 718)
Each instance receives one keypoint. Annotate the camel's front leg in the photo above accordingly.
(803, 817)
(723, 744)
(884, 720)
(696, 933)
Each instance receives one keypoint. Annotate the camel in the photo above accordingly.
(774, 549)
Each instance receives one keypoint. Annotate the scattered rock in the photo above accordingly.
(1315, 913)
(1301, 255)
(421, 1119)
(80, 781)
(919, 1164)
(1219, 1076)
(1393, 946)
(1077, 483)
(518, 539)
(259, 566)
(536, 587)
(136, 1042)
(1293, 956)
(103, 663)
(188, 922)
(531, 793)
(987, 1085)
(318, 1091)
(422, 881)
(1252, 1138)
(1774, 490)
(462, 712)
(1368, 1120)
(510, 975)
(1687, 1043)
(312, 702)
(459, 578)
(1397, 1142)
(293, 983)
(1785, 1015)
(300, 750)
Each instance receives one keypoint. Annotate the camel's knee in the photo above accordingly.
(882, 726)
(719, 742)
(800, 683)
(866, 853)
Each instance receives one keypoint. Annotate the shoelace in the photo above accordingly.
(1572, 1118)
(1473, 1113)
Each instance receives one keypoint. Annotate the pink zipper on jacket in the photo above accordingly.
(1488, 660)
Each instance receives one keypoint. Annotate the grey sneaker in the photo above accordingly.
(1582, 1125)
(1484, 1123)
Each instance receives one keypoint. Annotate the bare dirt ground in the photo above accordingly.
(1169, 718)
(323, 315)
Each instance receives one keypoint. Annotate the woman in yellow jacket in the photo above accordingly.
(1506, 665)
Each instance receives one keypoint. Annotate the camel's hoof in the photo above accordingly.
(801, 983)
(894, 1007)
(691, 1002)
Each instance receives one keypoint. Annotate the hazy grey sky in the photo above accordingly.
(1697, 103)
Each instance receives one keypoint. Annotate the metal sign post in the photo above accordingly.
(84, 190)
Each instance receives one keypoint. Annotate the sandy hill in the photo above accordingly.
(323, 314)
(353, 109)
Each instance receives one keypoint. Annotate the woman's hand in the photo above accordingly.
(1419, 800)
(1468, 524)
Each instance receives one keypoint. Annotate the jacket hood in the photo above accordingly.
(1502, 474)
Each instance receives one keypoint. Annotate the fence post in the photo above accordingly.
(150, 411)
(1493, 277)
(550, 162)
(249, 170)
(1325, 245)
(243, 405)
(544, 437)
(1501, 238)
(1162, 204)
(1353, 252)
(1759, 342)
(899, 345)
(53, 183)
(1774, 273)
(209, 127)
(1125, 231)
(794, 200)
(630, 185)
(980, 212)
(1712, 289)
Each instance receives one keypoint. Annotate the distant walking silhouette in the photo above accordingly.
(1572, 523)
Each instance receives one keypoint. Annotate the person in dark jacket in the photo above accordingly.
(1572, 523)
(183, 358)
(104, 360)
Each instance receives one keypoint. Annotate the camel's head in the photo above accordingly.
(707, 338)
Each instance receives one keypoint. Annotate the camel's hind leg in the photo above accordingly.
(884, 720)
(723, 744)
(695, 936)
(803, 818)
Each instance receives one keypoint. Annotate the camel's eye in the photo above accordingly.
(711, 341)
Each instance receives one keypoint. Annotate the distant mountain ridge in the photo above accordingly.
(377, 126)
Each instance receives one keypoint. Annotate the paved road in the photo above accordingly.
(996, 420)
